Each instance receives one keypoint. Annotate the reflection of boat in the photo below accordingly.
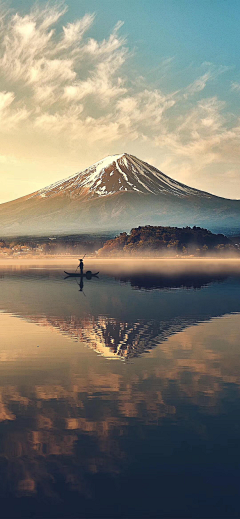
(87, 275)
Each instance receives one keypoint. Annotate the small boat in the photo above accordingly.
(89, 274)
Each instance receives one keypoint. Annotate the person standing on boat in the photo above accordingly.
(81, 266)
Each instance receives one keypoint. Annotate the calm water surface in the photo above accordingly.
(120, 398)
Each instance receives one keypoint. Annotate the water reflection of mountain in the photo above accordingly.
(113, 319)
(113, 338)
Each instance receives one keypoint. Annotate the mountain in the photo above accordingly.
(118, 193)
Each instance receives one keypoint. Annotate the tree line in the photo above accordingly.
(157, 239)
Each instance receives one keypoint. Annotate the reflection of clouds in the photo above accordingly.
(47, 444)
(79, 423)
(5, 414)
(10, 394)
(204, 353)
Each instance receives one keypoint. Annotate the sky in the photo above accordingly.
(159, 79)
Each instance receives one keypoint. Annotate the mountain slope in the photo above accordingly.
(118, 192)
(116, 174)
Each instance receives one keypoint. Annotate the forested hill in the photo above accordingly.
(155, 239)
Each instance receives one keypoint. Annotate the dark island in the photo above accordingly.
(155, 240)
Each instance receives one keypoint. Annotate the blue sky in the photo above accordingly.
(77, 85)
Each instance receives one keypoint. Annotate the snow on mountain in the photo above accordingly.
(115, 174)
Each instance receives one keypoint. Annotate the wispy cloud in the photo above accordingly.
(235, 86)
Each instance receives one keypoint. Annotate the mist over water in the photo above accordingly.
(119, 397)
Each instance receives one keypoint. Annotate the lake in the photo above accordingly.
(120, 396)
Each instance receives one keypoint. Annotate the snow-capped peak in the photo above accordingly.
(116, 174)
(105, 163)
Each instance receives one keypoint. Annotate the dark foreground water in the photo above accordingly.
(120, 398)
